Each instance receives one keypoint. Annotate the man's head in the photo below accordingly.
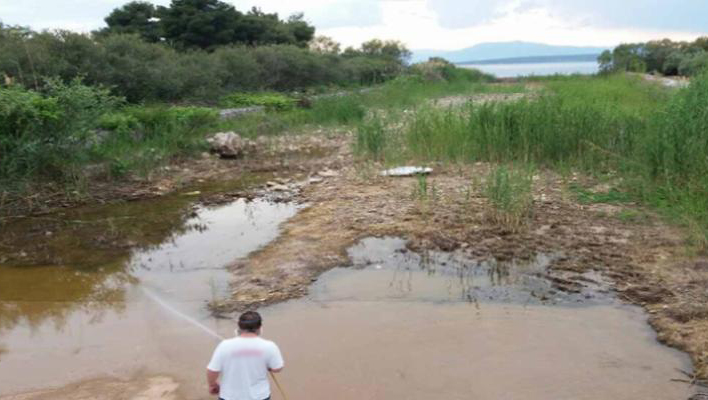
(250, 322)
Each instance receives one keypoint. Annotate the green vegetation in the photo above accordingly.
(206, 24)
(271, 101)
(509, 191)
(194, 51)
(71, 133)
(661, 56)
(613, 196)
(654, 139)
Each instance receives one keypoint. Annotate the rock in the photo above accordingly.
(315, 180)
(328, 173)
(280, 188)
(229, 144)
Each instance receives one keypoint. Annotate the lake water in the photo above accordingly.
(538, 69)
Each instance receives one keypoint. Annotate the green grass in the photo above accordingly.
(74, 133)
(141, 138)
(654, 139)
(613, 196)
(509, 190)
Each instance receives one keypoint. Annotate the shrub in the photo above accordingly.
(48, 133)
(269, 100)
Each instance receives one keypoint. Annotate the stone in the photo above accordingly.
(328, 173)
(315, 180)
(229, 144)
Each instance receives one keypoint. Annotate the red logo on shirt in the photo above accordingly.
(248, 353)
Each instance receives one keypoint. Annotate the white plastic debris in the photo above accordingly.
(407, 171)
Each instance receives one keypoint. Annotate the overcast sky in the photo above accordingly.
(431, 24)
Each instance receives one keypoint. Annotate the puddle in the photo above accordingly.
(389, 271)
(77, 309)
(396, 324)
(401, 325)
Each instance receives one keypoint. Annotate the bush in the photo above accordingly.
(271, 101)
(48, 133)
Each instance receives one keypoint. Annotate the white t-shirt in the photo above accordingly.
(243, 364)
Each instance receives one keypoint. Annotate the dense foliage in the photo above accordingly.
(144, 71)
(662, 56)
(206, 24)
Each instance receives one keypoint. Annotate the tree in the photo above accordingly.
(301, 30)
(392, 49)
(605, 61)
(137, 17)
(324, 45)
(202, 24)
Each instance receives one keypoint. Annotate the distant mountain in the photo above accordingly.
(502, 50)
(537, 60)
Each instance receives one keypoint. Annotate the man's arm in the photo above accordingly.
(275, 361)
(212, 377)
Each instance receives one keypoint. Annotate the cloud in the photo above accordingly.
(80, 15)
(324, 14)
(656, 15)
(455, 14)
(676, 15)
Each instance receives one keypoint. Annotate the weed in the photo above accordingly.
(613, 196)
(420, 190)
(371, 138)
(509, 191)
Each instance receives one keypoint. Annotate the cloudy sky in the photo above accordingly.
(431, 24)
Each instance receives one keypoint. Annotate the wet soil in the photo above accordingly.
(646, 261)
(421, 325)
(74, 280)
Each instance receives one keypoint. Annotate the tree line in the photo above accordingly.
(660, 56)
(193, 50)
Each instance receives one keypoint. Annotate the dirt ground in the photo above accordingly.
(646, 260)
(152, 388)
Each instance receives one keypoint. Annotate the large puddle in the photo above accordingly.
(73, 307)
(396, 325)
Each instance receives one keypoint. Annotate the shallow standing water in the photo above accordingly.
(399, 324)
(537, 69)
(93, 314)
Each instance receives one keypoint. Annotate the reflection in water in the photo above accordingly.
(31, 295)
(82, 260)
(443, 276)
(108, 316)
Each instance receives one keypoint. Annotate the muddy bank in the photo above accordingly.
(288, 155)
(645, 260)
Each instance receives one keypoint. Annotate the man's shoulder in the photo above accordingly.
(268, 343)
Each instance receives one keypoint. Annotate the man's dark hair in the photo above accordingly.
(250, 321)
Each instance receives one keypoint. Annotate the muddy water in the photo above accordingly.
(76, 303)
(397, 324)
(439, 326)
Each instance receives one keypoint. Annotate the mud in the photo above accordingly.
(93, 317)
(434, 324)
(646, 261)
(71, 284)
